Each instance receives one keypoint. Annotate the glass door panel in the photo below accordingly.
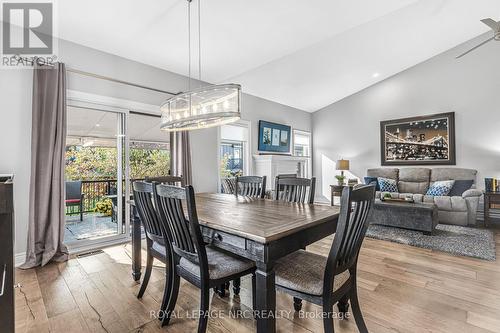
(94, 174)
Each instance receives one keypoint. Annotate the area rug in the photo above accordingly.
(457, 240)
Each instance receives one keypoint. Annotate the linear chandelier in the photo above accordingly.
(203, 107)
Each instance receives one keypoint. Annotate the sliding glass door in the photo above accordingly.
(95, 173)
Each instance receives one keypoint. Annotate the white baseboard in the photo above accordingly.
(19, 259)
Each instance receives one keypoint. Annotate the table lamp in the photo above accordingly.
(342, 165)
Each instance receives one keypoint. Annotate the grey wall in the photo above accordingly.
(469, 86)
(15, 116)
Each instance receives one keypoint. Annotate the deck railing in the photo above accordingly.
(96, 190)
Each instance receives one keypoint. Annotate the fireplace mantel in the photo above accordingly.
(273, 165)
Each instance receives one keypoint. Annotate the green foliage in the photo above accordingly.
(225, 172)
(340, 178)
(97, 163)
(149, 162)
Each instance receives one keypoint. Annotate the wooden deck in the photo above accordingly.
(402, 289)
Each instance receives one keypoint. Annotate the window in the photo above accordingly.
(234, 151)
(231, 158)
(301, 143)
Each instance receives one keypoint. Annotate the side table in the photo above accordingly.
(336, 191)
(489, 199)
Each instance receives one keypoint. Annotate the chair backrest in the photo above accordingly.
(143, 199)
(183, 232)
(228, 185)
(74, 190)
(169, 180)
(352, 224)
(251, 186)
(299, 190)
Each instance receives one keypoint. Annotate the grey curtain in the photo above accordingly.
(48, 135)
(180, 156)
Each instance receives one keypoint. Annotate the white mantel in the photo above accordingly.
(273, 165)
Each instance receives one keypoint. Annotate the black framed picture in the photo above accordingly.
(274, 137)
(424, 140)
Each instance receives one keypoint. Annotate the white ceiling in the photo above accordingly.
(305, 54)
(93, 124)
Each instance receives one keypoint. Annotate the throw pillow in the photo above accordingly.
(460, 187)
(369, 180)
(387, 185)
(440, 188)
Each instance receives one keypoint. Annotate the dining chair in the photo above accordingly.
(202, 265)
(326, 281)
(228, 185)
(169, 180)
(300, 190)
(156, 237)
(251, 186)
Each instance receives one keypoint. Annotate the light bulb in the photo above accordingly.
(214, 107)
(225, 104)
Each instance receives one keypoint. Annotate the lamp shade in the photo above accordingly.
(343, 165)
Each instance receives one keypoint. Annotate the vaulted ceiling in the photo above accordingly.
(305, 54)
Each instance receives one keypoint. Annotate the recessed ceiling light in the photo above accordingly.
(375, 75)
(97, 125)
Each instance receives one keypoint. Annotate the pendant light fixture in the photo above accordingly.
(203, 107)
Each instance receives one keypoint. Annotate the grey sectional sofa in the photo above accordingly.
(459, 210)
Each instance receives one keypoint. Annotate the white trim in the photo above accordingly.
(247, 149)
(100, 100)
(82, 248)
(19, 258)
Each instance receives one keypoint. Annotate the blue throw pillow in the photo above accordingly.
(460, 187)
(369, 180)
(387, 185)
(440, 188)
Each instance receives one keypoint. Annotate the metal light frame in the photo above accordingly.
(204, 107)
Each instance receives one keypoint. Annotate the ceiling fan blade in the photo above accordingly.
(475, 47)
(491, 23)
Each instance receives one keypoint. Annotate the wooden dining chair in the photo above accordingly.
(300, 190)
(326, 281)
(202, 265)
(251, 186)
(169, 180)
(156, 236)
(228, 185)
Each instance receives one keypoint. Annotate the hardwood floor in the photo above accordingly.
(401, 289)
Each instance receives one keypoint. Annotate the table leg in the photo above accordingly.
(136, 244)
(265, 298)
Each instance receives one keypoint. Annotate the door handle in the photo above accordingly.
(3, 279)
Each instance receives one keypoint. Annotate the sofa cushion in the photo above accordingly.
(391, 173)
(460, 187)
(414, 180)
(369, 180)
(387, 184)
(453, 174)
(452, 204)
(439, 188)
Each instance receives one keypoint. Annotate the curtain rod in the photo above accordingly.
(98, 76)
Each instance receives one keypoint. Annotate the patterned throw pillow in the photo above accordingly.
(387, 185)
(440, 188)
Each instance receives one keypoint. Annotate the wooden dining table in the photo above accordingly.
(258, 229)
